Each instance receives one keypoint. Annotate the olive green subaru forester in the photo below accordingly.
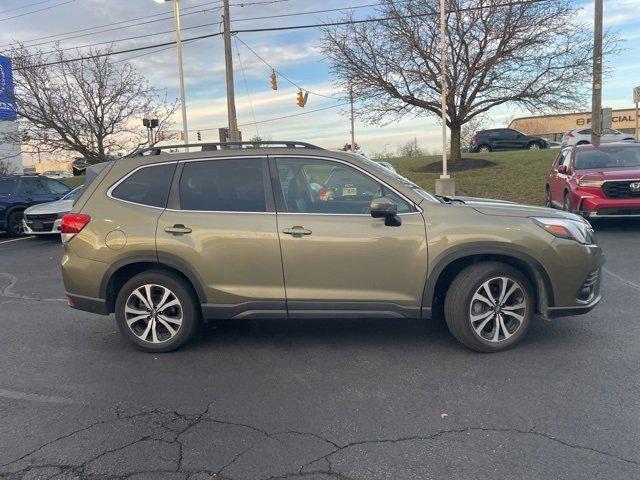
(289, 230)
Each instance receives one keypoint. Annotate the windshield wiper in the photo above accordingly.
(446, 199)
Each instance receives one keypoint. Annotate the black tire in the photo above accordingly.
(568, 203)
(549, 202)
(534, 146)
(187, 302)
(459, 302)
(484, 149)
(14, 224)
(583, 142)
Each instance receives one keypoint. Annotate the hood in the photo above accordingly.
(629, 173)
(510, 209)
(59, 206)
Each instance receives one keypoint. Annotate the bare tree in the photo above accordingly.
(529, 53)
(470, 128)
(411, 149)
(6, 168)
(92, 107)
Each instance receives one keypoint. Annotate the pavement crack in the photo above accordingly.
(8, 292)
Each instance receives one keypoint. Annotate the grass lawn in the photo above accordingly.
(518, 176)
(74, 182)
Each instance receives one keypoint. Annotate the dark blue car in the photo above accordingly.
(18, 192)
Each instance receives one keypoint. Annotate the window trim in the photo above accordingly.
(115, 185)
(174, 193)
(275, 178)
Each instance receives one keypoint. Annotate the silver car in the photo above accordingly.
(582, 136)
(45, 218)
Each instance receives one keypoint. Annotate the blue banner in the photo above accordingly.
(7, 104)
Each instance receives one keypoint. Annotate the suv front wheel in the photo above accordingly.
(489, 306)
(157, 311)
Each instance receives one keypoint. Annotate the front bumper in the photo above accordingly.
(37, 227)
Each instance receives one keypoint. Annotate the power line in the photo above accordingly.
(295, 14)
(280, 73)
(274, 119)
(56, 37)
(25, 6)
(274, 29)
(36, 11)
(246, 87)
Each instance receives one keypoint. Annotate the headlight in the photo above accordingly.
(578, 230)
(590, 183)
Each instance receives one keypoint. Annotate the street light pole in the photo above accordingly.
(445, 184)
(176, 22)
(228, 58)
(596, 98)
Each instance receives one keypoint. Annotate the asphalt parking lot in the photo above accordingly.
(316, 399)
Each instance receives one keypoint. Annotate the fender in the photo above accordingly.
(486, 248)
(152, 257)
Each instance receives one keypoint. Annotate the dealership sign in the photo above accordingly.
(614, 119)
(7, 104)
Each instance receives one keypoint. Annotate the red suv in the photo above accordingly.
(596, 182)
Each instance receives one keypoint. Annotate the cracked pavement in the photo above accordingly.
(325, 399)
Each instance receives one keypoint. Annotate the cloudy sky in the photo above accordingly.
(294, 53)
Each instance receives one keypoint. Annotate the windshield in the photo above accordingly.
(405, 181)
(621, 157)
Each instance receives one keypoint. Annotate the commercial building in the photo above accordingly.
(10, 154)
(552, 127)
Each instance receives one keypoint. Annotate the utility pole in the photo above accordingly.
(231, 101)
(445, 185)
(596, 98)
(353, 132)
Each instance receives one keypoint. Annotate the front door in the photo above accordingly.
(336, 257)
(220, 229)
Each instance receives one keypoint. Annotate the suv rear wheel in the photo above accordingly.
(534, 146)
(489, 306)
(484, 148)
(157, 311)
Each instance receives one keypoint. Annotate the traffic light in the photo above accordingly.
(274, 80)
(302, 98)
(199, 135)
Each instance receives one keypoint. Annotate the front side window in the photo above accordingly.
(147, 186)
(234, 185)
(324, 186)
(57, 187)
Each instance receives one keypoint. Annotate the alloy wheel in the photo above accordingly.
(534, 146)
(16, 227)
(498, 309)
(153, 313)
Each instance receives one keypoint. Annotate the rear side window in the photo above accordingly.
(34, 186)
(235, 185)
(147, 186)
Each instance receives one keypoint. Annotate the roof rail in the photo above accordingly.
(208, 147)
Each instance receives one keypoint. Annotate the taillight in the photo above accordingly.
(474, 139)
(72, 224)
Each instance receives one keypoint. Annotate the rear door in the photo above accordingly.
(220, 230)
(336, 257)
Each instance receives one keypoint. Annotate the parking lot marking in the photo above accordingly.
(628, 283)
(15, 240)
(34, 397)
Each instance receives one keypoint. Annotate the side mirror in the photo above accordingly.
(386, 208)
(562, 169)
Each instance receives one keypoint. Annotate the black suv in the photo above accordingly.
(18, 192)
(505, 139)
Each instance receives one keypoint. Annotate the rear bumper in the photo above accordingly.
(87, 304)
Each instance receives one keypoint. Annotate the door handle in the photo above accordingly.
(297, 231)
(177, 229)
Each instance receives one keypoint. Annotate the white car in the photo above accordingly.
(582, 136)
(45, 218)
(57, 174)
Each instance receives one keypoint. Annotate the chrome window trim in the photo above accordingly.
(115, 185)
(332, 159)
(217, 211)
